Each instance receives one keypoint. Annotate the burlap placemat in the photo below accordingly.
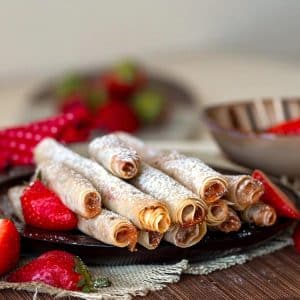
(138, 280)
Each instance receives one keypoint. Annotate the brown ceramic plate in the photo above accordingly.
(214, 244)
(170, 88)
(238, 128)
(180, 111)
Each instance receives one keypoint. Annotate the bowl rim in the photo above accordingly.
(214, 125)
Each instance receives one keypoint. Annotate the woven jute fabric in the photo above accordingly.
(134, 280)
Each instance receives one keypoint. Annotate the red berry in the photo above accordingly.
(42, 208)
(73, 135)
(9, 245)
(291, 127)
(117, 116)
(123, 80)
(59, 269)
(296, 237)
(276, 198)
(72, 102)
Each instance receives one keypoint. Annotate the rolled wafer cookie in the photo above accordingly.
(185, 237)
(232, 222)
(260, 214)
(75, 191)
(193, 173)
(217, 212)
(184, 206)
(150, 239)
(243, 191)
(118, 158)
(108, 227)
(144, 211)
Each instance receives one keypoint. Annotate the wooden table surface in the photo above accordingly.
(274, 276)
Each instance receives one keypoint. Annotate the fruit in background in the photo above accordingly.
(42, 208)
(9, 245)
(123, 80)
(148, 105)
(95, 99)
(72, 101)
(71, 84)
(276, 198)
(116, 116)
(59, 269)
(102, 96)
(290, 127)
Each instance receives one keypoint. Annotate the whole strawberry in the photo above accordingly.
(123, 80)
(116, 116)
(9, 245)
(42, 208)
(59, 269)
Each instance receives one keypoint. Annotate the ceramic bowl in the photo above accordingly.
(238, 128)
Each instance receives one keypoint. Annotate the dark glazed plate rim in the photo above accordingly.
(214, 244)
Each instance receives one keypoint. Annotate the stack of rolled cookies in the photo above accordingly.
(128, 193)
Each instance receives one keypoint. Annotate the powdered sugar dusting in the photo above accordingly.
(112, 145)
(143, 150)
(192, 172)
(72, 187)
(104, 228)
(58, 172)
(116, 194)
(164, 188)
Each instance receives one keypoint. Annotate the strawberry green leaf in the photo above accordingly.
(126, 71)
(39, 175)
(101, 283)
(86, 283)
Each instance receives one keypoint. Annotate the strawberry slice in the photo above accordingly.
(276, 198)
(9, 245)
(290, 127)
(116, 116)
(59, 269)
(296, 237)
(42, 208)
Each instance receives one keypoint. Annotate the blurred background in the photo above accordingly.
(209, 51)
(51, 36)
